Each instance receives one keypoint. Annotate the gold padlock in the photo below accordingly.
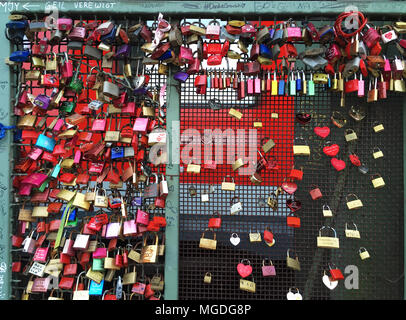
(235, 113)
(350, 135)
(354, 204)
(272, 201)
(292, 263)
(268, 145)
(38, 62)
(246, 285)
(399, 85)
(378, 127)
(328, 242)
(96, 276)
(193, 168)
(228, 186)
(207, 278)
(149, 253)
(377, 181)
(210, 244)
(257, 124)
(101, 201)
(237, 164)
(363, 253)
(133, 254)
(255, 237)
(321, 78)
(350, 233)
(301, 150)
(377, 153)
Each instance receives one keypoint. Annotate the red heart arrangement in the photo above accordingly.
(331, 150)
(355, 160)
(322, 132)
(244, 270)
(289, 187)
(338, 164)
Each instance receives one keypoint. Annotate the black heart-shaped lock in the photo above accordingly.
(293, 204)
(303, 118)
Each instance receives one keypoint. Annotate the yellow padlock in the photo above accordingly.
(377, 153)
(350, 135)
(328, 242)
(363, 253)
(378, 127)
(193, 168)
(207, 278)
(354, 204)
(237, 164)
(327, 213)
(377, 181)
(351, 233)
(321, 78)
(235, 113)
(246, 285)
(228, 186)
(301, 150)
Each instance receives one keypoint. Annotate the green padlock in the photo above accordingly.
(76, 84)
(44, 185)
(310, 84)
(98, 264)
(67, 106)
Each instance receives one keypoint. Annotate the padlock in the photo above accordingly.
(301, 150)
(388, 36)
(292, 263)
(292, 220)
(350, 135)
(315, 192)
(272, 201)
(353, 204)
(205, 243)
(350, 233)
(100, 200)
(228, 186)
(378, 127)
(215, 221)
(236, 205)
(327, 213)
(335, 273)
(377, 153)
(328, 242)
(246, 285)
(207, 278)
(268, 145)
(363, 253)
(377, 181)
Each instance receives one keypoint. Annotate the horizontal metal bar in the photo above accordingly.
(241, 9)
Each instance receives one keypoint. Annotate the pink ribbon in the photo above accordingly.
(163, 26)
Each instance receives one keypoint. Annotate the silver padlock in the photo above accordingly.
(351, 67)
(316, 63)
(110, 89)
(236, 205)
(92, 53)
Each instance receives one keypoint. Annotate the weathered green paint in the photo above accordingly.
(172, 201)
(404, 198)
(5, 158)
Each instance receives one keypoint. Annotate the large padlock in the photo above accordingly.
(213, 30)
(301, 150)
(388, 36)
(328, 242)
(205, 243)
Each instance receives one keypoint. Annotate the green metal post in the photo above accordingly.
(172, 201)
(6, 160)
(404, 198)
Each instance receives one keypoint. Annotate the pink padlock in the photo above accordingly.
(142, 217)
(68, 247)
(315, 193)
(100, 253)
(35, 153)
(67, 68)
(386, 67)
(99, 124)
(333, 53)
(77, 157)
(268, 270)
(58, 126)
(141, 125)
(64, 24)
(257, 86)
(294, 33)
(361, 87)
(130, 228)
(23, 99)
(250, 86)
(185, 55)
(41, 254)
(25, 189)
(113, 230)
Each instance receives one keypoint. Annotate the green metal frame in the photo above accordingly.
(226, 9)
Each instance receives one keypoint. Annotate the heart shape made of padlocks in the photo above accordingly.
(244, 270)
(331, 150)
(289, 187)
(338, 164)
(322, 132)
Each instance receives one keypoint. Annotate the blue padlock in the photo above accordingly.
(167, 55)
(137, 201)
(140, 91)
(96, 289)
(15, 31)
(72, 215)
(18, 135)
(299, 86)
(56, 170)
(45, 142)
(281, 87)
(20, 56)
(117, 152)
(110, 37)
(264, 51)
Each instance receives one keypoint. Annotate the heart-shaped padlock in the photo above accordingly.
(331, 150)
(338, 164)
(235, 239)
(303, 118)
(322, 132)
(244, 270)
(294, 296)
(328, 283)
(293, 204)
(289, 187)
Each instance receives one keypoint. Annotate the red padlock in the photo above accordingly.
(335, 273)
(215, 222)
(315, 193)
(296, 174)
(292, 220)
(268, 235)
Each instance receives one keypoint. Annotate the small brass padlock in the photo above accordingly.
(272, 202)
(377, 181)
(327, 213)
(353, 204)
(207, 278)
(246, 285)
(193, 168)
(237, 164)
(377, 153)
(351, 233)
(378, 127)
(350, 135)
(268, 145)
(363, 253)
(235, 113)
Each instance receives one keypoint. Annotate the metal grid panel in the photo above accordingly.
(376, 217)
(144, 271)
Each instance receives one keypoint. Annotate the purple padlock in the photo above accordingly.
(140, 91)
(181, 76)
(123, 51)
(268, 270)
(42, 101)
